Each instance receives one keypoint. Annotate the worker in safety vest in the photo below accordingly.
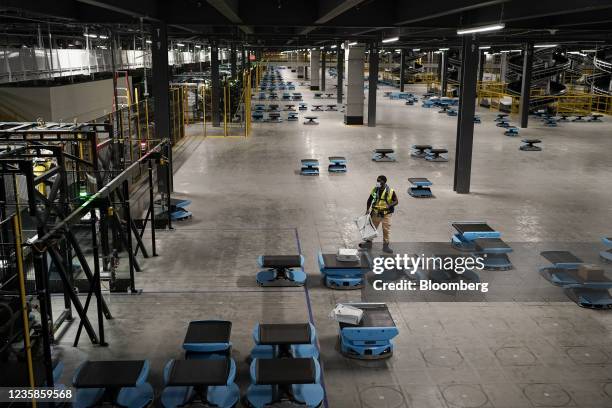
(381, 204)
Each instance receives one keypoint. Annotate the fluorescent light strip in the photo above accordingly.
(545, 45)
(333, 46)
(353, 43)
(416, 49)
(443, 49)
(481, 29)
(103, 37)
(180, 44)
(485, 47)
(90, 35)
(392, 39)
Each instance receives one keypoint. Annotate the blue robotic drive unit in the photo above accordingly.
(342, 274)
(372, 337)
(337, 164)
(281, 270)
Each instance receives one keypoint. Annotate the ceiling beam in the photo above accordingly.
(329, 10)
(525, 10)
(418, 11)
(230, 11)
(117, 9)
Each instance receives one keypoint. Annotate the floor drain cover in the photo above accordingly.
(547, 395)
(442, 357)
(465, 396)
(515, 356)
(382, 397)
(587, 355)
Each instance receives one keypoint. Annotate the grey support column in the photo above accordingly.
(444, 73)
(243, 59)
(526, 84)
(340, 72)
(373, 84)
(481, 65)
(323, 68)
(161, 100)
(353, 90)
(503, 67)
(215, 84)
(233, 61)
(300, 67)
(315, 56)
(465, 122)
(402, 67)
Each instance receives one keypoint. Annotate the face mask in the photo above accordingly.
(378, 184)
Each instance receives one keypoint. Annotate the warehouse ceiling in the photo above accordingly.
(285, 24)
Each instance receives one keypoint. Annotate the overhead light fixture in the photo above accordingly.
(392, 39)
(577, 53)
(443, 49)
(484, 47)
(198, 46)
(416, 49)
(588, 50)
(353, 43)
(180, 44)
(149, 41)
(71, 45)
(90, 35)
(102, 47)
(481, 29)
(333, 46)
(321, 48)
(103, 37)
(545, 45)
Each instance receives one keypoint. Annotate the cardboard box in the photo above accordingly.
(591, 273)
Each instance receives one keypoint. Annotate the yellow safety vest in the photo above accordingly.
(380, 203)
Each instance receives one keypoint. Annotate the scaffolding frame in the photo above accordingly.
(51, 204)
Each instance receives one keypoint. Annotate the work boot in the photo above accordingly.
(365, 245)
(386, 248)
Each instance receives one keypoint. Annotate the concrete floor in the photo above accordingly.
(536, 350)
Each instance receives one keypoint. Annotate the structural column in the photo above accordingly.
(243, 59)
(503, 67)
(215, 84)
(161, 91)
(353, 90)
(300, 66)
(465, 122)
(444, 73)
(339, 72)
(323, 68)
(372, 84)
(233, 61)
(481, 65)
(526, 84)
(315, 56)
(402, 67)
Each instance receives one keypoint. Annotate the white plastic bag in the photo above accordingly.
(366, 227)
(346, 314)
